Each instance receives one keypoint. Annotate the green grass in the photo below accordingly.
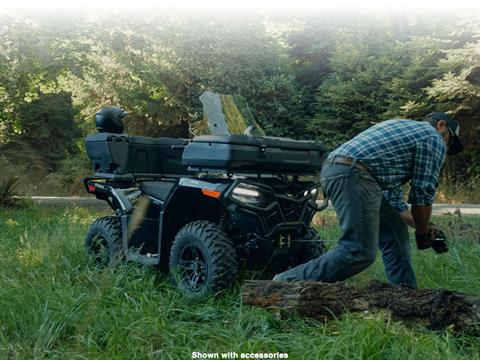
(54, 305)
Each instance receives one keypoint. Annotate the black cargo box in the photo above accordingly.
(253, 154)
(124, 154)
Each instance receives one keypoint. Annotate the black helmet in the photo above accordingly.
(109, 119)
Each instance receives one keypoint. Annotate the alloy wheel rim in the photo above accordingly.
(193, 268)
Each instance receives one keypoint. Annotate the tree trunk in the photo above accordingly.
(440, 308)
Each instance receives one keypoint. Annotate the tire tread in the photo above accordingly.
(223, 255)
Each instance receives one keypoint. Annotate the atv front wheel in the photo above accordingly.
(202, 259)
(103, 241)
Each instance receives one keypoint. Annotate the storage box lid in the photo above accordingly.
(284, 143)
(102, 137)
(144, 140)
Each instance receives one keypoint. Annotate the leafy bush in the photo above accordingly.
(67, 179)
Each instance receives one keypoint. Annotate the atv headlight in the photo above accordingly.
(251, 195)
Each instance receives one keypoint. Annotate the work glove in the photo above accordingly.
(424, 241)
(439, 244)
(435, 238)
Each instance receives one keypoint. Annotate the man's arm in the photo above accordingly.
(407, 218)
(421, 217)
(411, 218)
(428, 160)
(395, 199)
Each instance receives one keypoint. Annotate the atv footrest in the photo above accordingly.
(151, 259)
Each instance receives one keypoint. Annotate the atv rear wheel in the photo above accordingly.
(103, 241)
(202, 259)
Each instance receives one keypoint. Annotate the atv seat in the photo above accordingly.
(158, 189)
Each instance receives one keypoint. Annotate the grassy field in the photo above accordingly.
(54, 305)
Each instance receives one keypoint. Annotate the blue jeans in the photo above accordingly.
(367, 221)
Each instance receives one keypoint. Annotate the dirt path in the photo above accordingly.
(465, 209)
(89, 201)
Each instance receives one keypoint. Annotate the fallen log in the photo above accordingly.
(439, 308)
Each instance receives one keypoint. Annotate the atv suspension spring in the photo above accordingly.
(223, 222)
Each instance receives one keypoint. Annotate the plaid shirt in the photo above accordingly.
(396, 151)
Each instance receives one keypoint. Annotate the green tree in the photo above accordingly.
(37, 126)
(458, 92)
(354, 94)
(231, 54)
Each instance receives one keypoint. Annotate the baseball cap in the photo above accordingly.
(456, 145)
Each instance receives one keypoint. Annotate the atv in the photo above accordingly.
(201, 208)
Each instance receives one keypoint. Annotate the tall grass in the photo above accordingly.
(53, 304)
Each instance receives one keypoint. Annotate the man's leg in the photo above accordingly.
(395, 246)
(356, 198)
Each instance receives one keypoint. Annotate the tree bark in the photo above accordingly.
(440, 308)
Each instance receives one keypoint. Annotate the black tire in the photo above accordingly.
(202, 259)
(103, 241)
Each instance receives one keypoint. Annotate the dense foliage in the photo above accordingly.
(319, 75)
